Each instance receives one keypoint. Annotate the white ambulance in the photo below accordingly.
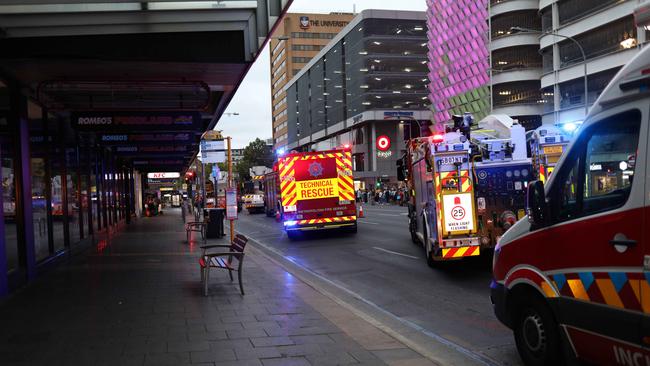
(573, 280)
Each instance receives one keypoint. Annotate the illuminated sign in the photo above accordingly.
(164, 175)
(135, 121)
(384, 154)
(383, 143)
(316, 189)
(458, 212)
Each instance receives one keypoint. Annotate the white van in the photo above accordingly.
(573, 280)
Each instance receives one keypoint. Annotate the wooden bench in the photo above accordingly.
(195, 226)
(223, 260)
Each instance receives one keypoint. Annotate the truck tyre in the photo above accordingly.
(292, 235)
(352, 229)
(413, 229)
(427, 243)
(536, 332)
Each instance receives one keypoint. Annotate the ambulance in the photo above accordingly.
(317, 191)
(572, 279)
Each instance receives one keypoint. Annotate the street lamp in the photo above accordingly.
(582, 51)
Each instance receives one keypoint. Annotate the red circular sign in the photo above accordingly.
(458, 213)
(383, 143)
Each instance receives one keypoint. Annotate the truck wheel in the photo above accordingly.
(536, 333)
(413, 229)
(427, 243)
(352, 229)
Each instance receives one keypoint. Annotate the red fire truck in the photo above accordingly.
(317, 191)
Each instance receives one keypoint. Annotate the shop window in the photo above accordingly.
(9, 198)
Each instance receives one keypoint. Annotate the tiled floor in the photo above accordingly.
(135, 299)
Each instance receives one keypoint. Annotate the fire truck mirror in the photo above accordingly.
(536, 203)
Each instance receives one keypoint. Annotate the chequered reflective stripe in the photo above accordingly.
(287, 181)
(327, 220)
(446, 177)
(344, 170)
(618, 289)
(461, 252)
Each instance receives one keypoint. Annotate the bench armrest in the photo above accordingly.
(237, 255)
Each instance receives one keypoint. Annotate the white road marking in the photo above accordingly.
(396, 253)
(368, 222)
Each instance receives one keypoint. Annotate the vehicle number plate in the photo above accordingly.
(556, 149)
(450, 160)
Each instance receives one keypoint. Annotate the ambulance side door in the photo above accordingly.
(597, 236)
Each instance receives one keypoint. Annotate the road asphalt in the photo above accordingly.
(381, 267)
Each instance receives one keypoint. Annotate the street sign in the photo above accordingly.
(217, 145)
(213, 157)
(231, 204)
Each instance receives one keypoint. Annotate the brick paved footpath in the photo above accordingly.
(135, 299)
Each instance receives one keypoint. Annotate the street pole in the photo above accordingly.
(582, 52)
(232, 222)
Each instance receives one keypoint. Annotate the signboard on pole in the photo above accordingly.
(213, 145)
(213, 157)
(231, 204)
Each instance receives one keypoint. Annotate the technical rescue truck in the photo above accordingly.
(317, 191)
(465, 195)
(573, 280)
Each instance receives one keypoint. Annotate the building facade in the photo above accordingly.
(368, 83)
(520, 62)
(298, 38)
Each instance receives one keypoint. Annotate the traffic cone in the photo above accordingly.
(361, 211)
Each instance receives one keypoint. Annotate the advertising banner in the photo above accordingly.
(135, 121)
(231, 204)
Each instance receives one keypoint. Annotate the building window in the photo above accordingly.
(306, 47)
(358, 162)
(501, 24)
(598, 42)
(280, 68)
(516, 58)
(300, 60)
(517, 93)
(280, 80)
(277, 58)
(313, 35)
(570, 10)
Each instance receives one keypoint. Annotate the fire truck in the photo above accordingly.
(317, 191)
(547, 144)
(466, 191)
(272, 202)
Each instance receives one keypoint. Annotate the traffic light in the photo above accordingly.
(378, 184)
(189, 176)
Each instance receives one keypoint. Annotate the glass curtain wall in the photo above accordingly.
(39, 158)
(9, 194)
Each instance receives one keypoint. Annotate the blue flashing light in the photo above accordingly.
(290, 223)
(570, 127)
(280, 151)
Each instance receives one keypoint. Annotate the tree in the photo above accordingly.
(256, 153)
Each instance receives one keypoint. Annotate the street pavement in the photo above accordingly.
(382, 267)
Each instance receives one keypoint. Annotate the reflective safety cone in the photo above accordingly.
(277, 216)
(361, 211)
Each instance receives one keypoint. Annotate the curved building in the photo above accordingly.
(516, 65)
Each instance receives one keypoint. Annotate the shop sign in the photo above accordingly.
(157, 162)
(398, 115)
(159, 149)
(135, 121)
(383, 143)
(164, 175)
(384, 154)
(152, 138)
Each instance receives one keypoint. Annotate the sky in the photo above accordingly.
(252, 101)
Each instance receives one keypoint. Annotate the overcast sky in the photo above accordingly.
(253, 99)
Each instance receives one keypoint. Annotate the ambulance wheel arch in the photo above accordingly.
(537, 334)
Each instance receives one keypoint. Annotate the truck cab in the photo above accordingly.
(572, 280)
